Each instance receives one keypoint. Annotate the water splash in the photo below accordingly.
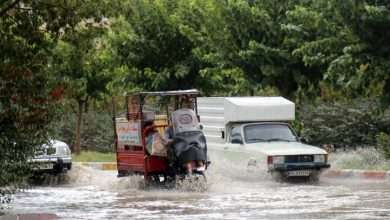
(107, 180)
(363, 158)
(233, 193)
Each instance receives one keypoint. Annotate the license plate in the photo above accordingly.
(44, 166)
(299, 173)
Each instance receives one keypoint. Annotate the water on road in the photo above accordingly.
(94, 194)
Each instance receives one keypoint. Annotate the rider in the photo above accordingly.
(185, 125)
(185, 102)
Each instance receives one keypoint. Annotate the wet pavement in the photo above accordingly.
(95, 194)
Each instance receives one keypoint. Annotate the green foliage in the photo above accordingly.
(151, 48)
(97, 131)
(344, 124)
(383, 140)
(27, 96)
(81, 61)
(239, 47)
(241, 37)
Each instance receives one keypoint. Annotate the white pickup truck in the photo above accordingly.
(254, 132)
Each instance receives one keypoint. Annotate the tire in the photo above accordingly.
(59, 166)
(278, 176)
(123, 173)
(314, 177)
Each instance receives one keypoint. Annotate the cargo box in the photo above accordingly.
(239, 109)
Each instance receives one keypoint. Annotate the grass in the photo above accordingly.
(93, 156)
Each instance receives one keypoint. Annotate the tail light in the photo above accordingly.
(269, 160)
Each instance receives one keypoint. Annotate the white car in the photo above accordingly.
(253, 132)
(274, 147)
(54, 158)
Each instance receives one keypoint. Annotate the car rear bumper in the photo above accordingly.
(51, 165)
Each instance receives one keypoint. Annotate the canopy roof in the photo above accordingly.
(193, 92)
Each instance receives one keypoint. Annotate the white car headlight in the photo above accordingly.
(278, 159)
(319, 158)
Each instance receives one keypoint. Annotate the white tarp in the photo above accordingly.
(258, 109)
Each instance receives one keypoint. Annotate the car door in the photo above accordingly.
(234, 149)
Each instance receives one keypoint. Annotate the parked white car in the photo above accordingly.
(54, 158)
(254, 132)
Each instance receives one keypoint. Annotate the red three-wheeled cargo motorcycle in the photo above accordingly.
(159, 136)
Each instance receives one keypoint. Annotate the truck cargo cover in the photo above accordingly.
(258, 109)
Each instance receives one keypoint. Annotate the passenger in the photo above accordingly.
(155, 144)
(168, 136)
(149, 135)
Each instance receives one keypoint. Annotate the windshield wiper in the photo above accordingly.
(277, 139)
(256, 139)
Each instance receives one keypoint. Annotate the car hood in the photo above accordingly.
(284, 148)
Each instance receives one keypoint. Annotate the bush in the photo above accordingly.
(383, 140)
(348, 124)
(97, 132)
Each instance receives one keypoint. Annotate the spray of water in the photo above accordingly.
(222, 175)
(363, 158)
(107, 180)
(225, 175)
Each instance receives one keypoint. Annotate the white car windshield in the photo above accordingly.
(268, 132)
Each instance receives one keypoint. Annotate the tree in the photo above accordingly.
(149, 45)
(343, 45)
(27, 95)
(363, 68)
(82, 63)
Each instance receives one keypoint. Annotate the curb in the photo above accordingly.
(98, 165)
(358, 174)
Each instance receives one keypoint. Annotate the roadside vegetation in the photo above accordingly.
(93, 156)
(62, 61)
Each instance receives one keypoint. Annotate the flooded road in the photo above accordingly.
(94, 194)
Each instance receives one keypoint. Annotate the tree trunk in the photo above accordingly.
(77, 147)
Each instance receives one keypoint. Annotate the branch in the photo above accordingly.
(9, 7)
